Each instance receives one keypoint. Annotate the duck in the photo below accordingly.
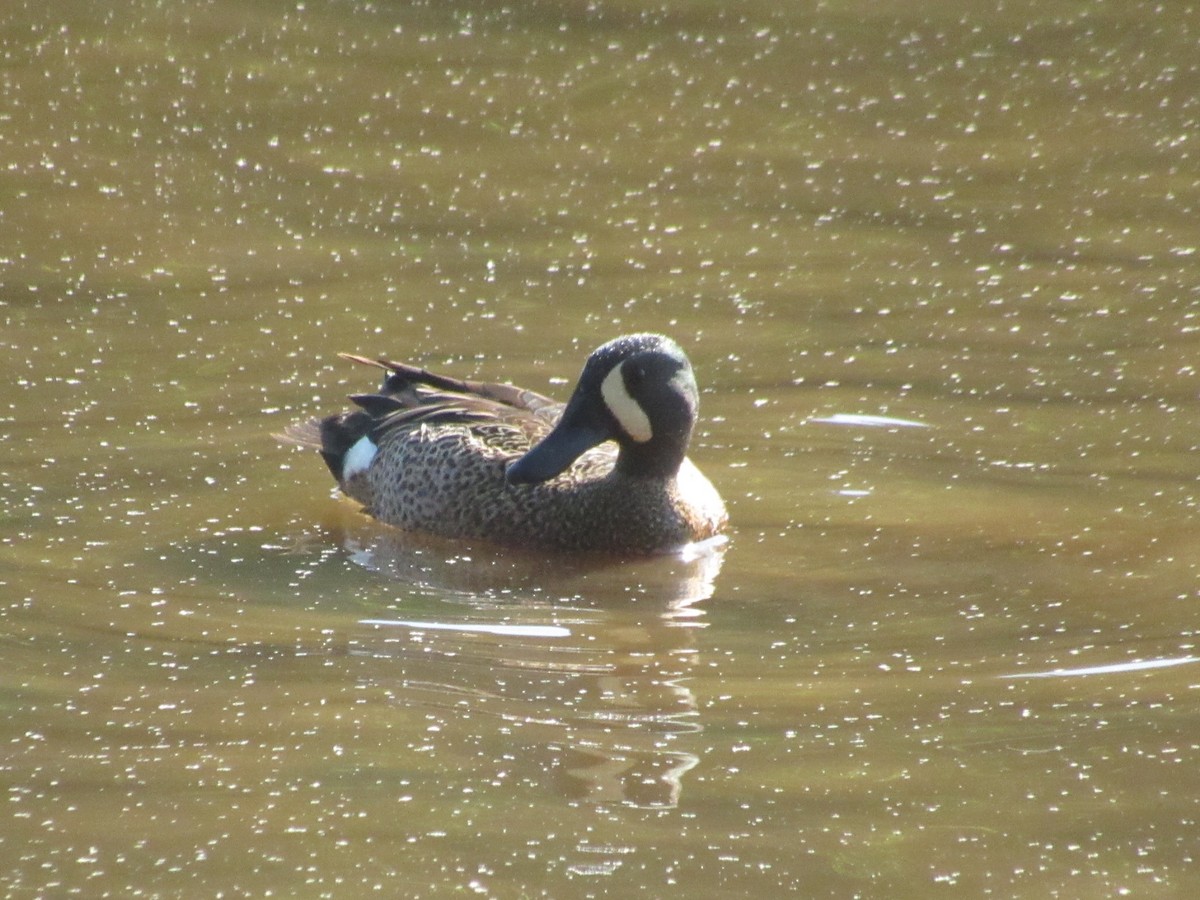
(605, 472)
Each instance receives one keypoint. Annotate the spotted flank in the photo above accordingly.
(605, 472)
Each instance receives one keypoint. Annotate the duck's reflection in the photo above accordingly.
(584, 662)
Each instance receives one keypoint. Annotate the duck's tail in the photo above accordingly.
(344, 441)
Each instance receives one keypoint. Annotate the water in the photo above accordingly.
(936, 271)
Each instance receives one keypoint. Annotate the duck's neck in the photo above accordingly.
(658, 458)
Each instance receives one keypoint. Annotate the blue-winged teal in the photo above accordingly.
(606, 472)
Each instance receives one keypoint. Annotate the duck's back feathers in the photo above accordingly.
(412, 397)
(420, 387)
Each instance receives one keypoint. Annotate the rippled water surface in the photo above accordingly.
(936, 267)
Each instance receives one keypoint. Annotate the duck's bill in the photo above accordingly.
(553, 454)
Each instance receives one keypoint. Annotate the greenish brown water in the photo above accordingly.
(956, 657)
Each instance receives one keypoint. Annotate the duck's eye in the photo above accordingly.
(634, 375)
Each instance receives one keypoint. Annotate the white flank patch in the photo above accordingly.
(358, 458)
(628, 411)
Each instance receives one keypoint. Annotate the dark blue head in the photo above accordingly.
(637, 390)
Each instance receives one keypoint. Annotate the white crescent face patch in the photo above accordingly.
(628, 412)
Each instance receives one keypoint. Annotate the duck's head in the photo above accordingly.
(637, 390)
